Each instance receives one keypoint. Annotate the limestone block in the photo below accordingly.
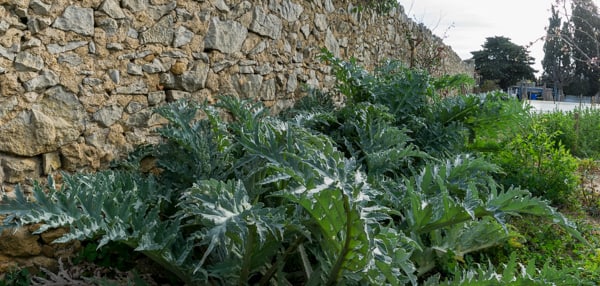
(161, 33)
(52, 122)
(290, 10)
(139, 87)
(134, 69)
(112, 9)
(135, 106)
(108, 115)
(156, 97)
(220, 5)
(135, 5)
(77, 19)
(332, 44)
(225, 36)
(58, 49)
(183, 36)
(109, 25)
(174, 95)
(71, 59)
(320, 22)
(45, 79)
(5, 53)
(264, 24)
(78, 156)
(268, 90)
(158, 11)
(25, 61)
(155, 66)
(19, 243)
(247, 86)
(39, 7)
(50, 163)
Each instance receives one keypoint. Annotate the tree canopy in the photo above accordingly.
(572, 47)
(503, 62)
(557, 61)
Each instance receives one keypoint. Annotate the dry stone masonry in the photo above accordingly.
(79, 79)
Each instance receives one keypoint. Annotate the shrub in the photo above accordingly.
(578, 131)
(536, 162)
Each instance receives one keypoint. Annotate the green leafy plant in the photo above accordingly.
(536, 162)
(18, 277)
(379, 6)
(577, 130)
(512, 273)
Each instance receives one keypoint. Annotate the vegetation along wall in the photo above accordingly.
(79, 79)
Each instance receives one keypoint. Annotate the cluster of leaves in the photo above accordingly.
(543, 165)
(503, 62)
(577, 130)
(379, 6)
(382, 191)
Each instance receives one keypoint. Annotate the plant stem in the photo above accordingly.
(305, 261)
(271, 271)
(171, 267)
(246, 263)
(337, 267)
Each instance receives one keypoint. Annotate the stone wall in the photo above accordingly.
(79, 79)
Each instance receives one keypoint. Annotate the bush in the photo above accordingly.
(578, 131)
(535, 161)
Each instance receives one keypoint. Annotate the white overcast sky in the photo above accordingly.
(466, 24)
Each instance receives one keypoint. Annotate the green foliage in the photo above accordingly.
(589, 195)
(503, 61)
(535, 161)
(20, 277)
(577, 130)
(513, 273)
(114, 255)
(379, 6)
(584, 45)
(557, 57)
(355, 195)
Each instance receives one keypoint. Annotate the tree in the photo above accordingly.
(580, 35)
(585, 37)
(504, 62)
(557, 59)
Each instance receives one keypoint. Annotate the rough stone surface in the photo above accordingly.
(56, 120)
(183, 36)
(39, 7)
(266, 24)
(19, 243)
(46, 79)
(25, 61)
(161, 33)
(107, 116)
(77, 19)
(112, 9)
(291, 11)
(225, 36)
(50, 163)
(58, 49)
(16, 170)
(135, 5)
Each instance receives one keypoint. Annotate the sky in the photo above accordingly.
(465, 24)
